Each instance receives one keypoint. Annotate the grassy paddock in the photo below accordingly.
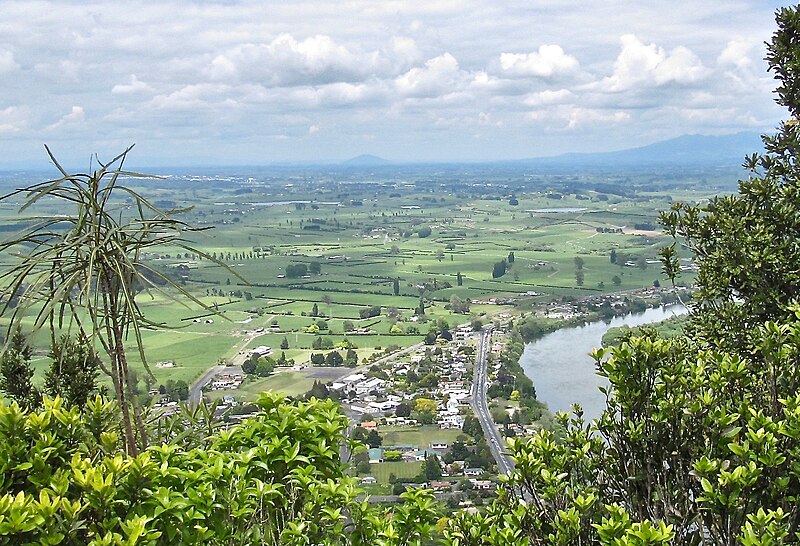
(421, 437)
(382, 471)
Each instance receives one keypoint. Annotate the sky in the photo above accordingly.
(256, 82)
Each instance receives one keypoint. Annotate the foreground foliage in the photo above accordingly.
(80, 270)
(696, 446)
(275, 479)
(699, 444)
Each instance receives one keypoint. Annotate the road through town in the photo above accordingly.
(481, 407)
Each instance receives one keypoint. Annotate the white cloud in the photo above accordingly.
(440, 75)
(191, 97)
(548, 61)
(549, 97)
(235, 72)
(7, 62)
(12, 120)
(737, 54)
(76, 116)
(405, 50)
(642, 65)
(334, 94)
(313, 129)
(133, 86)
(583, 116)
(287, 61)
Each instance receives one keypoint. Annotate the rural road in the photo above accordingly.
(196, 388)
(481, 407)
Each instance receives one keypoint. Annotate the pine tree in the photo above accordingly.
(73, 371)
(16, 373)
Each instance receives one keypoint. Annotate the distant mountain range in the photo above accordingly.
(366, 160)
(725, 150)
(686, 150)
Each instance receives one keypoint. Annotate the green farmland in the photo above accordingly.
(344, 250)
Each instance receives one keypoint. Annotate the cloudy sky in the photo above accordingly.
(253, 82)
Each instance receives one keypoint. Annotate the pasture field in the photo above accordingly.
(382, 471)
(385, 241)
(421, 436)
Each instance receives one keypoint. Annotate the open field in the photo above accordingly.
(382, 471)
(421, 437)
(361, 238)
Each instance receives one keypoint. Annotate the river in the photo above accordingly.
(562, 370)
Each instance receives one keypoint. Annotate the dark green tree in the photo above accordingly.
(373, 439)
(264, 366)
(396, 287)
(177, 391)
(16, 374)
(249, 366)
(403, 409)
(317, 359)
(284, 343)
(431, 468)
(73, 372)
(499, 269)
(334, 358)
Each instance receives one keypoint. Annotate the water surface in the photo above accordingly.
(562, 370)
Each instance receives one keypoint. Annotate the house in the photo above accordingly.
(388, 405)
(441, 486)
(473, 471)
(482, 485)
(368, 480)
(418, 455)
(261, 350)
(373, 384)
(353, 378)
(439, 445)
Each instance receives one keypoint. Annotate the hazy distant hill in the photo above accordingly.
(726, 150)
(366, 160)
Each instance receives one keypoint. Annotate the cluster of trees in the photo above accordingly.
(294, 271)
(177, 391)
(369, 312)
(579, 275)
(457, 305)
(72, 373)
(369, 437)
(501, 268)
(335, 358)
(262, 366)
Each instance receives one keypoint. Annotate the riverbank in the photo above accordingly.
(560, 365)
(541, 322)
